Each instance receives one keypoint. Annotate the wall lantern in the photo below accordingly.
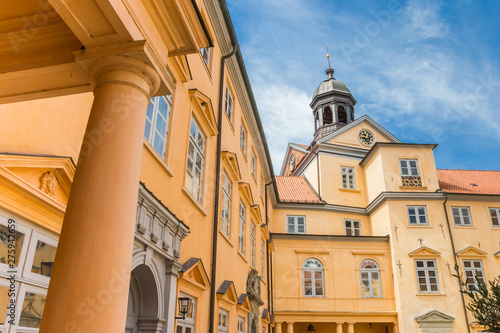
(310, 329)
(185, 306)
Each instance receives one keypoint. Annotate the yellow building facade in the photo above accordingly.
(134, 174)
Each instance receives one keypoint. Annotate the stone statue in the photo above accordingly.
(253, 284)
(49, 184)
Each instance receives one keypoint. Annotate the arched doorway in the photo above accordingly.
(254, 326)
(143, 300)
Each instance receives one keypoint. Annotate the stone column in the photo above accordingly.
(89, 286)
(350, 327)
(277, 328)
(334, 108)
(339, 328)
(395, 328)
(320, 112)
(289, 327)
(172, 275)
(348, 111)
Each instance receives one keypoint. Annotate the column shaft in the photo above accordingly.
(350, 327)
(395, 328)
(277, 328)
(289, 327)
(88, 290)
(339, 328)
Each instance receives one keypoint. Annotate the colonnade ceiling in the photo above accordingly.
(40, 40)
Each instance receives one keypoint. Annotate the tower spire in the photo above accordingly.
(329, 71)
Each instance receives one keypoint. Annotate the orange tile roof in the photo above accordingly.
(460, 181)
(295, 189)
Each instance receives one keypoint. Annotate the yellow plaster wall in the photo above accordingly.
(341, 260)
(374, 172)
(311, 174)
(331, 181)
(51, 126)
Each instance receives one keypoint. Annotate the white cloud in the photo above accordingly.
(423, 20)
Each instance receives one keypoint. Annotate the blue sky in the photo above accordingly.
(427, 71)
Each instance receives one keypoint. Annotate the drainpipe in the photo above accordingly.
(217, 190)
(269, 260)
(454, 256)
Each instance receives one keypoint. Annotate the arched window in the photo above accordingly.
(370, 279)
(313, 278)
(327, 116)
(342, 115)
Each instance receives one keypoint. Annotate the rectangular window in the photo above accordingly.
(243, 140)
(229, 104)
(223, 321)
(226, 205)
(252, 244)
(196, 158)
(263, 329)
(474, 272)
(242, 228)
(427, 277)
(32, 309)
(252, 165)
(262, 187)
(461, 216)
(205, 53)
(296, 224)
(241, 325)
(495, 216)
(352, 227)
(262, 257)
(417, 215)
(348, 180)
(409, 168)
(157, 118)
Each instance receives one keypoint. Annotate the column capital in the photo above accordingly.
(126, 70)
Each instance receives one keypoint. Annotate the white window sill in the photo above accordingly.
(349, 190)
(226, 238)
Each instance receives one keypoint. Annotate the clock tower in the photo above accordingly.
(333, 106)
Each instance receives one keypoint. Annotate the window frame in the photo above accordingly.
(155, 101)
(23, 288)
(226, 205)
(350, 178)
(313, 278)
(28, 275)
(417, 215)
(187, 321)
(223, 329)
(197, 151)
(253, 244)
(241, 320)
(407, 161)
(28, 233)
(353, 228)
(243, 140)
(206, 54)
(229, 104)
(426, 269)
(262, 257)
(369, 271)
(474, 271)
(242, 229)
(295, 224)
(461, 216)
(253, 164)
(497, 212)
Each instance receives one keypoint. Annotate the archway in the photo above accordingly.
(327, 116)
(342, 115)
(254, 326)
(143, 299)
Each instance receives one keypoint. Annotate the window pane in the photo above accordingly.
(4, 245)
(44, 259)
(32, 310)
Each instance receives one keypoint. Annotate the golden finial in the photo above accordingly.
(328, 55)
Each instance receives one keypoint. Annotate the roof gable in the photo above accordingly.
(203, 106)
(244, 303)
(434, 316)
(194, 272)
(227, 292)
(424, 251)
(348, 135)
(232, 167)
(471, 251)
(296, 149)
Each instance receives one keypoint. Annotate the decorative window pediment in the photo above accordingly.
(471, 251)
(424, 251)
(203, 108)
(246, 193)
(194, 272)
(230, 162)
(227, 292)
(266, 317)
(244, 303)
(434, 316)
(256, 213)
(497, 254)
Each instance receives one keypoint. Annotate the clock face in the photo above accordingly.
(366, 137)
(292, 161)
